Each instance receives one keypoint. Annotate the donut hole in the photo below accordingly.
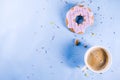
(79, 19)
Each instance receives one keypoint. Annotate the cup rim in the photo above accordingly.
(109, 60)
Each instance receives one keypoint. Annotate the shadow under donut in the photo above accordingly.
(74, 55)
(63, 12)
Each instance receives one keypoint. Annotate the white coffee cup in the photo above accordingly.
(107, 66)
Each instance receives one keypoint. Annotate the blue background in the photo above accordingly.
(35, 43)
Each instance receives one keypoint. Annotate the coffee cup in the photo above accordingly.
(97, 59)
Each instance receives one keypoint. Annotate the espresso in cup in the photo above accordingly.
(97, 59)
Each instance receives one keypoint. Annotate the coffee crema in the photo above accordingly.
(97, 59)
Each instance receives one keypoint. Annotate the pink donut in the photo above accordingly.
(78, 18)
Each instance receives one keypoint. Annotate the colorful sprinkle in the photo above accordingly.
(52, 23)
(92, 34)
(86, 74)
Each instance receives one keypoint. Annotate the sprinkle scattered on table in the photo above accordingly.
(112, 71)
(53, 37)
(86, 74)
(110, 17)
(51, 67)
(98, 8)
(101, 22)
(42, 47)
(77, 42)
(52, 23)
(41, 26)
(66, 2)
(92, 34)
(90, 1)
(61, 62)
(36, 49)
(78, 66)
(28, 77)
(43, 8)
(85, 46)
(113, 32)
(82, 38)
(45, 51)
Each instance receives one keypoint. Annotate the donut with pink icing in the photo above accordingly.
(78, 18)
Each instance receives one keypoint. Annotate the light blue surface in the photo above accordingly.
(36, 45)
